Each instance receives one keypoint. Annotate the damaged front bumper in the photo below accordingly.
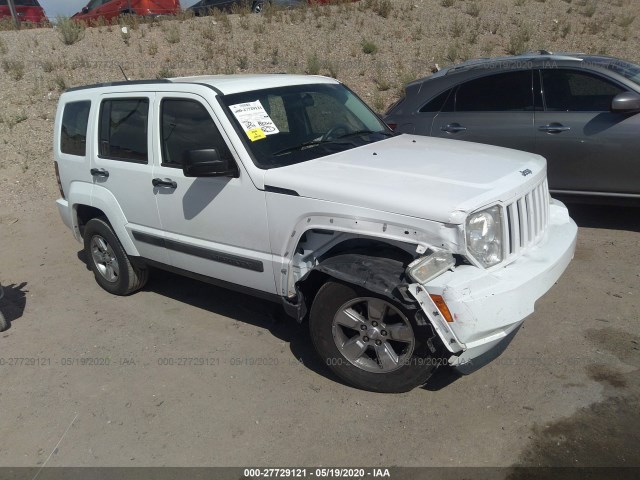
(488, 307)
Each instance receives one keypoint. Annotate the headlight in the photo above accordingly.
(430, 266)
(484, 236)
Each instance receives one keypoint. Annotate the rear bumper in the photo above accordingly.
(488, 307)
(66, 213)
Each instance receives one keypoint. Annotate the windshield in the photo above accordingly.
(293, 124)
(628, 70)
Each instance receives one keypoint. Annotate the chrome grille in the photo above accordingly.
(526, 220)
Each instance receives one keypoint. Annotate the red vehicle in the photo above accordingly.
(28, 11)
(110, 9)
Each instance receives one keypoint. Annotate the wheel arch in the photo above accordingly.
(101, 202)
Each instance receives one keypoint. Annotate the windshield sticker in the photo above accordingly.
(254, 119)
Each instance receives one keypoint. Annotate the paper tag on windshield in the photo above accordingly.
(254, 119)
(256, 134)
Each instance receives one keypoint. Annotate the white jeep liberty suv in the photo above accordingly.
(402, 252)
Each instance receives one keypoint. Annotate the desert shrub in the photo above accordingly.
(369, 47)
(13, 68)
(625, 22)
(70, 31)
(518, 41)
(383, 8)
(172, 34)
(313, 64)
(473, 9)
(590, 9)
(165, 72)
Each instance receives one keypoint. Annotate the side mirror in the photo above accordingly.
(85, 9)
(627, 102)
(206, 163)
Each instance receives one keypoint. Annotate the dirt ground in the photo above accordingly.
(87, 378)
(185, 374)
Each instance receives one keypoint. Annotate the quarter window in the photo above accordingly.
(571, 91)
(436, 104)
(73, 134)
(504, 92)
(187, 125)
(123, 129)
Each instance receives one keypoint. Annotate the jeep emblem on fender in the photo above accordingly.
(526, 172)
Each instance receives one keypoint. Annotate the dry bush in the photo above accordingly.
(13, 68)
(70, 31)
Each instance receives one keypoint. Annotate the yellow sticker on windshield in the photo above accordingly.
(256, 134)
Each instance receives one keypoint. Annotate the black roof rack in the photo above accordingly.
(118, 84)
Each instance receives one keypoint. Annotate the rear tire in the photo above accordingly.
(4, 324)
(110, 264)
(370, 341)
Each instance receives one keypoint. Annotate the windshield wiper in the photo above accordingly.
(299, 147)
(314, 143)
(364, 132)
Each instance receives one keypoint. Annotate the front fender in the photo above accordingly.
(383, 276)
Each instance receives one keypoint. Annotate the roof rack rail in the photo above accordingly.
(536, 52)
(117, 84)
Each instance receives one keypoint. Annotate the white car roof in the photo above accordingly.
(229, 84)
(225, 84)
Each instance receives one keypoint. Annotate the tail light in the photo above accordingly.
(55, 166)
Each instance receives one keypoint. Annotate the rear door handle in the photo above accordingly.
(166, 183)
(99, 172)
(454, 128)
(554, 128)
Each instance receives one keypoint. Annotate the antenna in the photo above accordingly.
(124, 74)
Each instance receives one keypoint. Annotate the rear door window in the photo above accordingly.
(123, 129)
(504, 92)
(73, 134)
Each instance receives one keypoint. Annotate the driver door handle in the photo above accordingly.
(99, 172)
(164, 183)
(454, 128)
(554, 128)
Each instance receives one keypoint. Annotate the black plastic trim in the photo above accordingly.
(282, 191)
(215, 89)
(214, 255)
(117, 84)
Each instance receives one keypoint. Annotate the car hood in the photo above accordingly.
(424, 177)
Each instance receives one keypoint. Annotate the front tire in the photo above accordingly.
(370, 341)
(110, 264)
